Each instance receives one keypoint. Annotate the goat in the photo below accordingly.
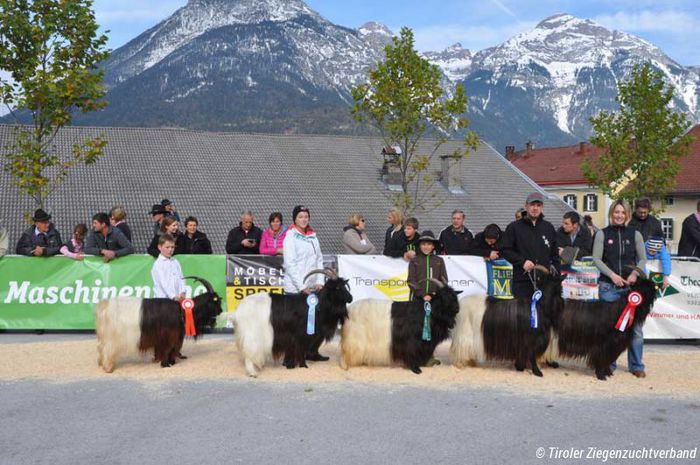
(586, 330)
(494, 329)
(379, 332)
(271, 325)
(125, 325)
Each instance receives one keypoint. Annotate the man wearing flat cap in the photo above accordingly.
(40, 240)
(527, 242)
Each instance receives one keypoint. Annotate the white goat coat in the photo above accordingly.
(366, 334)
(302, 254)
(254, 333)
(118, 329)
(467, 342)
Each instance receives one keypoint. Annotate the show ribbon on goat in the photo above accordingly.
(311, 301)
(627, 316)
(536, 296)
(187, 305)
(426, 321)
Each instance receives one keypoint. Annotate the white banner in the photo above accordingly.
(676, 312)
(380, 277)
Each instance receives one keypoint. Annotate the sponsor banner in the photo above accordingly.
(500, 277)
(380, 277)
(581, 281)
(60, 293)
(250, 274)
(676, 312)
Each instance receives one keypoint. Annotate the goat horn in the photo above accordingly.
(437, 282)
(542, 268)
(207, 285)
(325, 271)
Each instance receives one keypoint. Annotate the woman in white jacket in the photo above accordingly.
(302, 254)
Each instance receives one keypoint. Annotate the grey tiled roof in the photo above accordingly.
(215, 176)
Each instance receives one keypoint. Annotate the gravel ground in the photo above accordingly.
(672, 370)
(59, 408)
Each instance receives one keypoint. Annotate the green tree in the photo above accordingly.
(642, 142)
(51, 50)
(404, 100)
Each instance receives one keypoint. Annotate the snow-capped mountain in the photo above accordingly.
(278, 66)
(544, 84)
(455, 61)
(263, 65)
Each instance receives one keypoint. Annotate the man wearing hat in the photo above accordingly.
(40, 240)
(527, 242)
(157, 212)
(170, 209)
(426, 265)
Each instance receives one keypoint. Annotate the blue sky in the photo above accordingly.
(672, 25)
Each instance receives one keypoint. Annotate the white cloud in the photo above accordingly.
(501, 6)
(475, 38)
(674, 22)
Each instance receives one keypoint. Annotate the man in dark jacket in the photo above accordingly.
(487, 243)
(158, 212)
(245, 238)
(528, 242)
(689, 245)
(107, 241)
(194, 242)
(643, 222)
(456, 239)
(40, 240)
(571, 234)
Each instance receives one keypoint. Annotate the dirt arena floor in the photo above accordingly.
(672, 371)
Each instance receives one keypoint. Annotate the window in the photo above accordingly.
(570, 199)
(667, 228)
(669, 200)
(591, 203)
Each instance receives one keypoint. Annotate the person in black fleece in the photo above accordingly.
(394, 237)
(487, 243)
(528, 242)
(573, 234)
(456, 239)
(245, 238)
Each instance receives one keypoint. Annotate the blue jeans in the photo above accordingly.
(611, 293)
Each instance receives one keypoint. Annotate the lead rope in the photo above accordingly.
(536, 296)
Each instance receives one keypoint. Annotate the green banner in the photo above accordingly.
(61, 293)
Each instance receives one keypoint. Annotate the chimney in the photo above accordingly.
(510, 152)
(391, 168)
(529, 147)
(450, 174)
(582, 148)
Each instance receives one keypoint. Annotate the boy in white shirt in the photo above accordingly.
(168, 281)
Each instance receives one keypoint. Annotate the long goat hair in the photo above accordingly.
(586, 330)
(379, 332)
(129, 325)
(494, 329)
(275, 326)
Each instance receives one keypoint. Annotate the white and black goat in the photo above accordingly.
(130, 325)
(381, 332)
(488, 328)
(273, 325)
(587, 330)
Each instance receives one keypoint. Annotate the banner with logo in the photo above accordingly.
(676, 312)
(250, 274)
(380, 277)
(581, 281)
(60, 293)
